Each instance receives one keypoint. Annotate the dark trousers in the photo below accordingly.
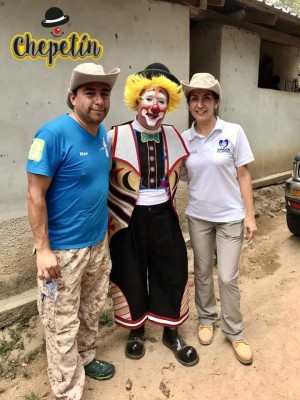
(149, 269)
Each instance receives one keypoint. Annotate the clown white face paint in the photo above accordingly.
(152, 108)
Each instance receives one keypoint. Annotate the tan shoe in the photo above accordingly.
(242, 351)
(206, 334)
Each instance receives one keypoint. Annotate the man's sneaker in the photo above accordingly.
(206, 334)
(100, 370)
(242, 351)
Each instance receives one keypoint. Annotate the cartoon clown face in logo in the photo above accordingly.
(152, 107)
(54, 18)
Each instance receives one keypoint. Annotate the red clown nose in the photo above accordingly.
(155, 109)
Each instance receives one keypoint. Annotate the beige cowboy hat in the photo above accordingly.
(202, 80)
(90, 72)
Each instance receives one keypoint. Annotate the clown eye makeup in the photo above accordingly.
(148, 99)
(151, 99)
(162, 101)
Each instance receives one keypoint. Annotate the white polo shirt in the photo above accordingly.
(214, 191)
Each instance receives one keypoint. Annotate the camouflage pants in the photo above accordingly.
(70, 316)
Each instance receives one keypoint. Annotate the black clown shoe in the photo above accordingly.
(185, 354)
(135, 348)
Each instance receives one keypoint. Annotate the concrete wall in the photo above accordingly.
(134, 33)
(270, 118)
(206, 50)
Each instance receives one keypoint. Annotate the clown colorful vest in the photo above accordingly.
(125, 176)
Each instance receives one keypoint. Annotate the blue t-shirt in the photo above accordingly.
(78, 164)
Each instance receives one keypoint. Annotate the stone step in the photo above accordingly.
(17, 307)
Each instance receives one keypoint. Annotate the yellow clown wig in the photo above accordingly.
(138, 83)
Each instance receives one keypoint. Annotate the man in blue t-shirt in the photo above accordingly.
(68, 171)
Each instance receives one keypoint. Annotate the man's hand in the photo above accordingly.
(47, 266)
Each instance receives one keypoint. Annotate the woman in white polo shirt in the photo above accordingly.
(220, 210)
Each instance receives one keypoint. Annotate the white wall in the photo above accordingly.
(134, 33)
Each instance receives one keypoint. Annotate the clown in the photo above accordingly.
(149, 275)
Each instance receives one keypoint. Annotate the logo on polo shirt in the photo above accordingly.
(223, 146)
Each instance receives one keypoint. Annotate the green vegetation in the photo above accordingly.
(14, 357)
(15, 340)
(31, 355)
(294, 5)
(106, 319)
(30, 396)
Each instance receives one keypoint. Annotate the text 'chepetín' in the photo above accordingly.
(74, 46)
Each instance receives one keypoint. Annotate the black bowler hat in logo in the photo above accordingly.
(54, 16)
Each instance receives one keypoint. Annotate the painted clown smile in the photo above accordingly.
(152, 107)
(150, 117)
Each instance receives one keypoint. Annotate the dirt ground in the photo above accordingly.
(269, 282)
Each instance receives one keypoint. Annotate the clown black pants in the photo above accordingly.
(149, 269)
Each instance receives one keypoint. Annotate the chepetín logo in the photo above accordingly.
(75, 46)
(223, 146)
(54, 17)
